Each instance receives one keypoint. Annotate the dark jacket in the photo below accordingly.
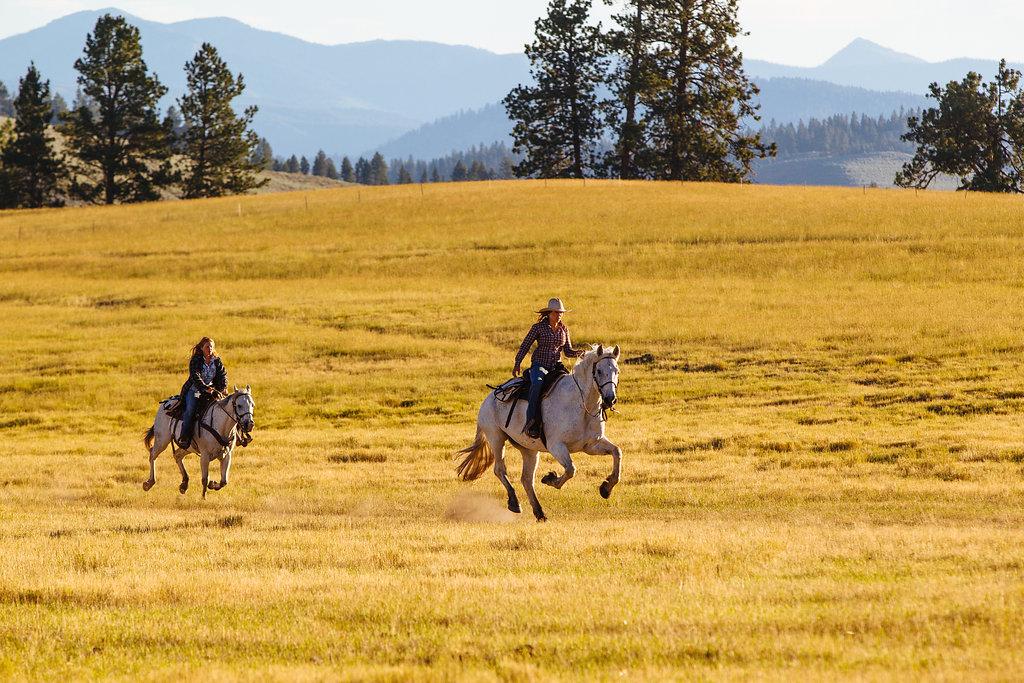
(195, 375)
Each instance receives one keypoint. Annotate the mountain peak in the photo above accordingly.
(862, 52)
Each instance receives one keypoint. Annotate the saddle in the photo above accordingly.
(174, 406)
(518, 389)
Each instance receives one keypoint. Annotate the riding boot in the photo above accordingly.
(533, 426)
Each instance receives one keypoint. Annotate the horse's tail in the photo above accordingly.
(148, 438)
(479, 458)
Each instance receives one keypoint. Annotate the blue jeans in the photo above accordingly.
(188, 418)
(536, 374)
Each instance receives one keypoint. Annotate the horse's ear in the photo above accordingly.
(615, 351)
(248, 390)
(236, 388)
(600, 350)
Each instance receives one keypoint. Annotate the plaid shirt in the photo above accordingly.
(550, 345)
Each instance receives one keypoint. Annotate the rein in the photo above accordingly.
(244, 438)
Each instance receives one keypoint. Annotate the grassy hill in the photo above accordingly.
(277, 181)
(822, 473)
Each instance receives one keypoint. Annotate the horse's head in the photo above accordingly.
(605, 371)
(245, 408)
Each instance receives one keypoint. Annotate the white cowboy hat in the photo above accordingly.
(554, 305)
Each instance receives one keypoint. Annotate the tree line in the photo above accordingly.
(840, 134)
(483, 162)
(118, 147)
(660, 94)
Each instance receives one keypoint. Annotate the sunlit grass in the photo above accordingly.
(823, 445)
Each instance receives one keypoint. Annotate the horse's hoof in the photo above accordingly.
(513, 506)
(550, 478)
(147, 485)
(542, 518)
(606, 490)
(183, 487)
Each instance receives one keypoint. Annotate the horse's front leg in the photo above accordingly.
(225, 466)
(605, 447)
(561, 453)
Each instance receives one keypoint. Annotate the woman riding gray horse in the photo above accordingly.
(552, 337)
(206, 377)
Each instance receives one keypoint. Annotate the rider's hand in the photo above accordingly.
(516, 371)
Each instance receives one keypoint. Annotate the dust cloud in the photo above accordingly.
(468, 506)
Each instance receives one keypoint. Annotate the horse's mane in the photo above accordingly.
(585, 362)
(231, 395)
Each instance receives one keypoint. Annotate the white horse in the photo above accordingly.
(230, 418)
(574, 417)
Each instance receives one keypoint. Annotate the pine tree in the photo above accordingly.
(362, 171)
(264, 155)
(423, 176)
(697, 95)
(6, 103)
(331, 170)
(176, 124)
(506, 168)
(292, 165)
(31, 166)
(347, 172)
(404, 177)
(975, 132)
(219, 145)
(378, 170)
(320, 164)
(58, 109)
(115, 133)
(632, 44)
(459, 173)
(435, 176)
(304, 166)
(279, 165)
(557, 123)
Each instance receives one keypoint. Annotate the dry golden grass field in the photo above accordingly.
(823, 463)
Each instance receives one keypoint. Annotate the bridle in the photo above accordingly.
(244, 438)
(601, 412)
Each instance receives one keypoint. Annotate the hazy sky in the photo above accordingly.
(802, 32)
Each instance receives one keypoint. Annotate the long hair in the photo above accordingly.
(198, 348)
(544, 318)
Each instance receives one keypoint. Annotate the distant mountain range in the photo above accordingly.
(340, 98)
(425, 99)
(781, 99)
(865, 64)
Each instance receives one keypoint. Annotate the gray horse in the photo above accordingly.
(229, 416)
(573, 422)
